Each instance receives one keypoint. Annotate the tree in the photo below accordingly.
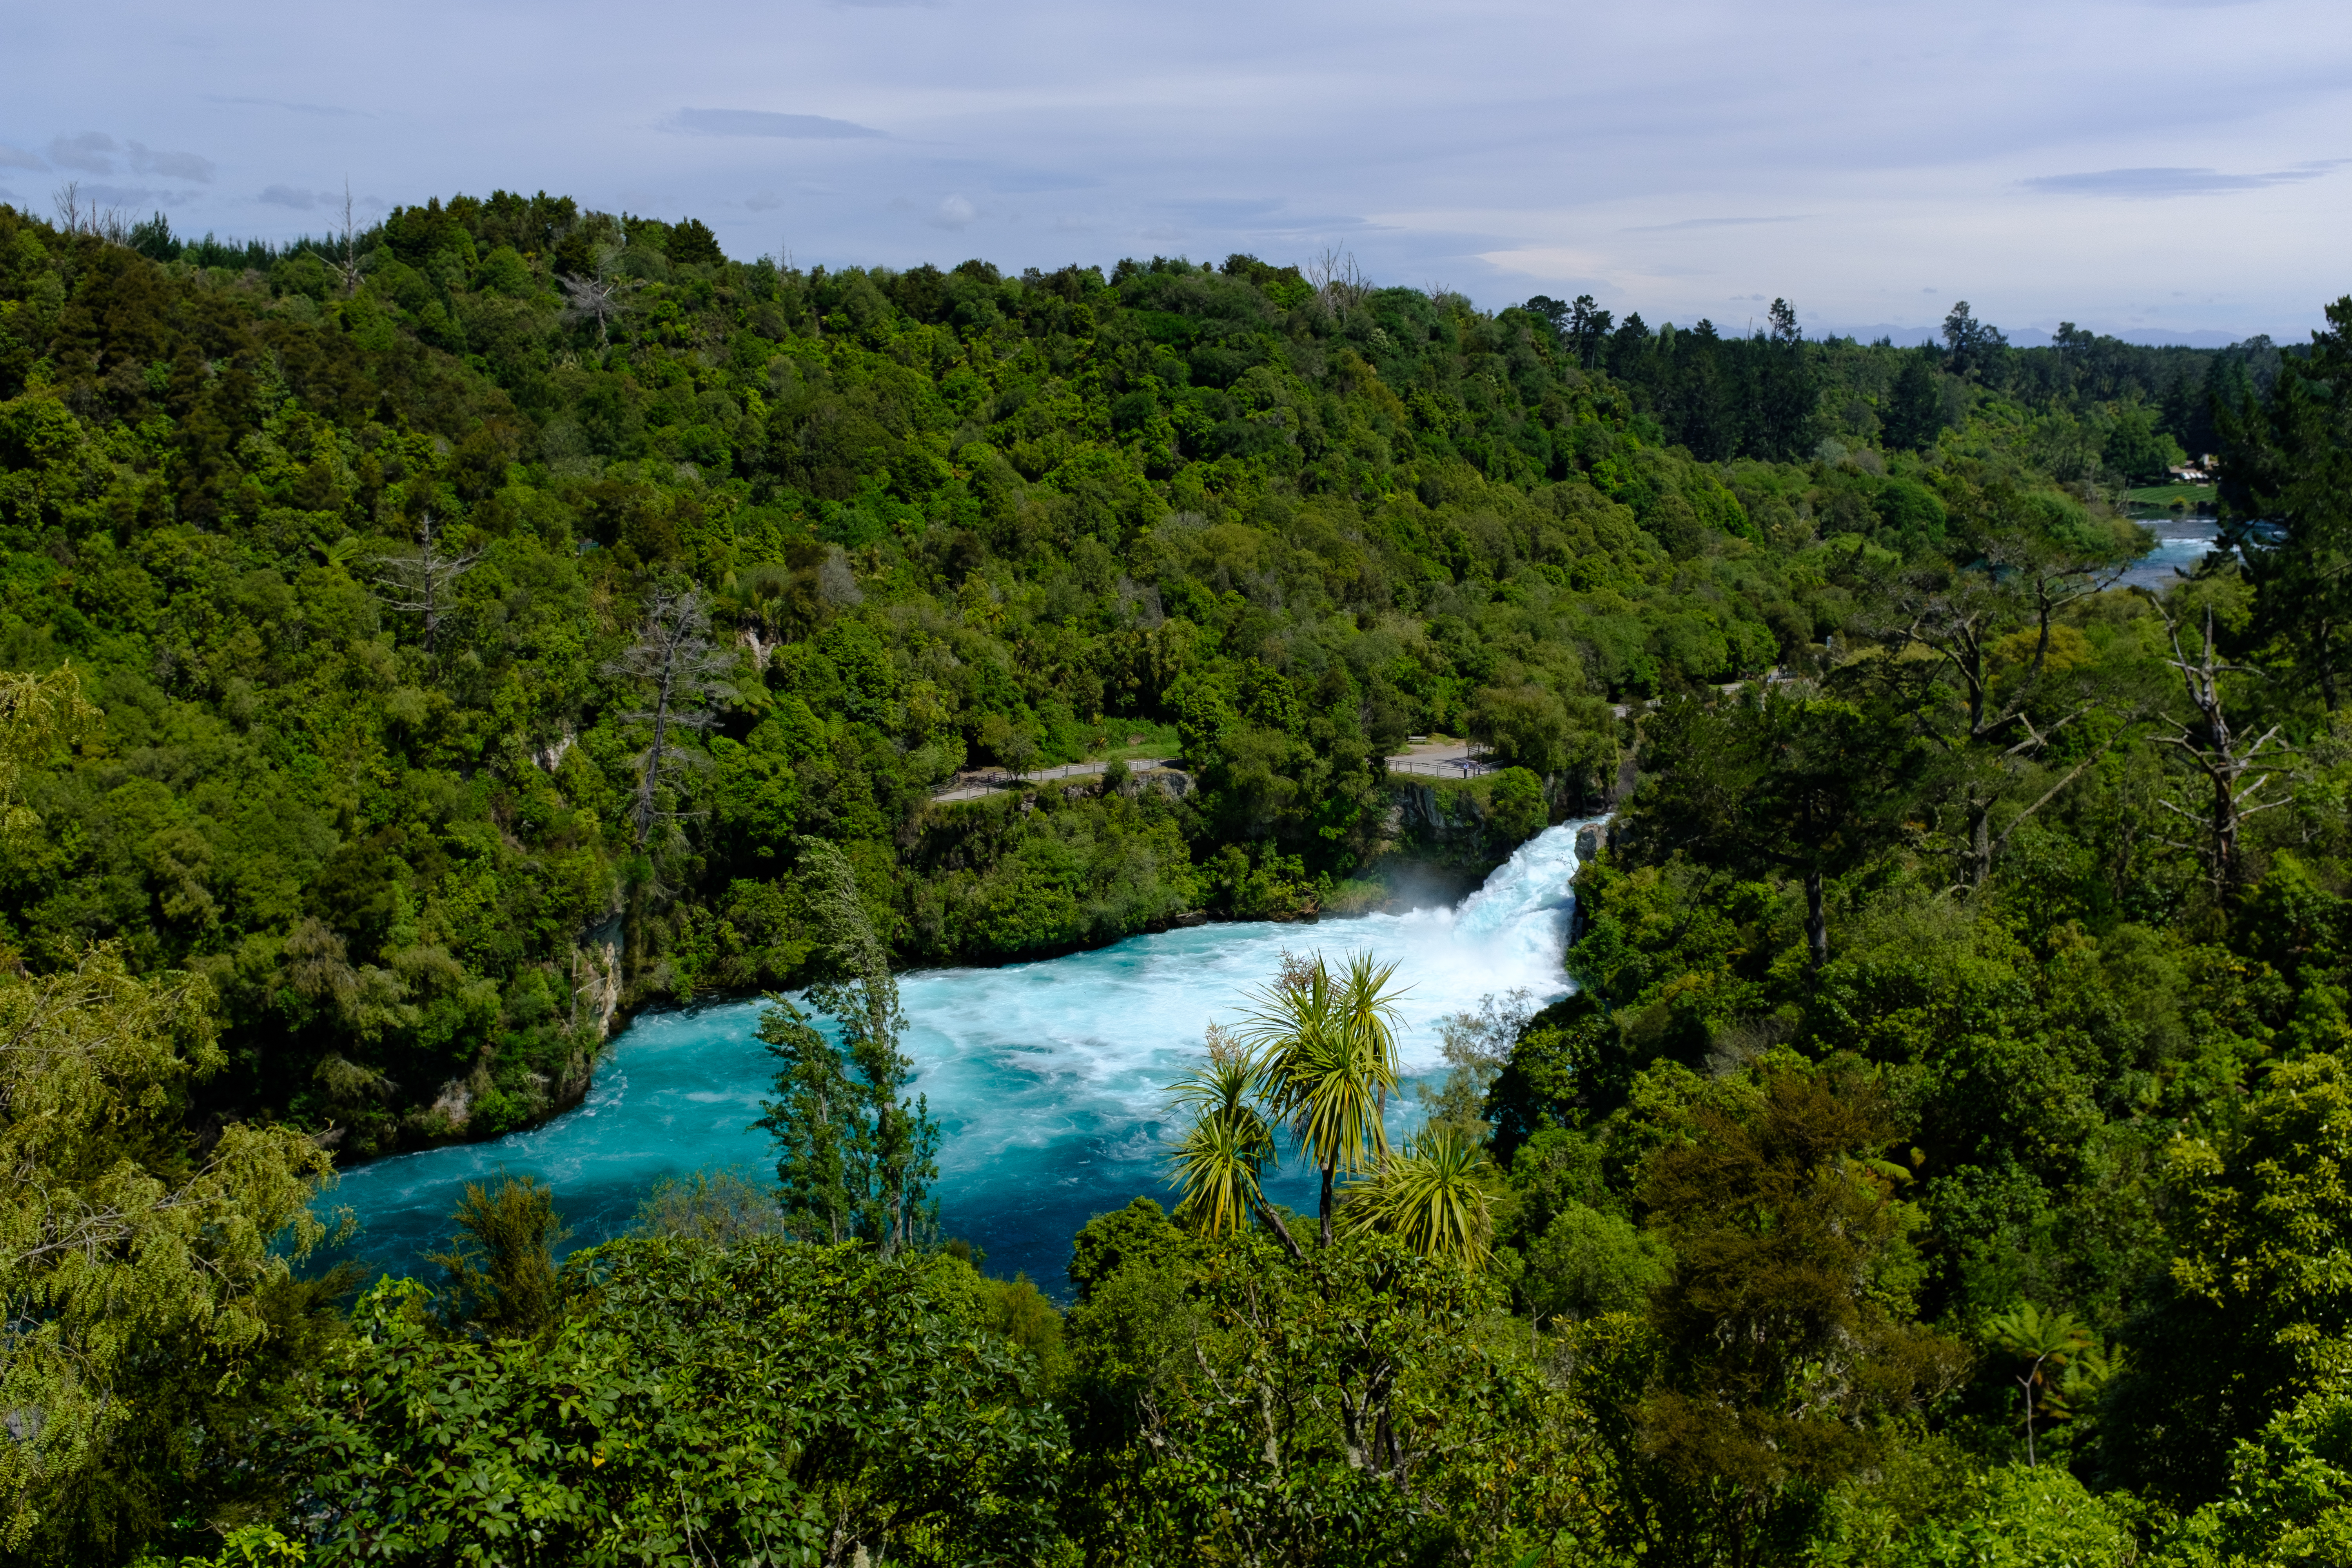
(1786, 1351)
(768, 1401)
(422, 582)
(1220, 1159)
(2285, 496)
(1587, 329)
(720, 1207)
(2048, 1343)
(1326, 1045)
(1991, 722)
(602, 298)
(1432, 1197)
(1913, 416)
(2258, 1308)
(1784, 390)
(673, 662)
(2235, 768)
(1974, 347)
(1234, 1405)
(501, 1262)
(131, 1258)
(855, 1156)
(1811, 786)
(344, 259)
(1477, 1049)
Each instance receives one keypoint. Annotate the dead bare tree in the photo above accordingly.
(346, 261)
(2004, 725)
(1339, 282)
(602, 298)
(2234, 769)
(675, 664)
(423, 582)
(76, 215)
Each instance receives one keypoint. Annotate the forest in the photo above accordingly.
(426, 646)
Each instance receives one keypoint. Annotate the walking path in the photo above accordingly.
(988, 781)
(1430, 756)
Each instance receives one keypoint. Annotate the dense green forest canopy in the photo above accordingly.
(359, 543)
(428, 642)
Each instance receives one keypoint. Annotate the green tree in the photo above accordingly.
(501, 1261)
(135, 1261)
(767, 1402)
(2048, 1344)
(1808, 786)
(1786, 1356)
(1433, 1197)
(1235, 1406)
(1220, 1161)
(2286, 471)
(2258, 1309)
(1914, 414)
(1327, 1047)
(855, 1155)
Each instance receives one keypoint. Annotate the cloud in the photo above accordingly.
(1710, 223)
(763, 202)
(2154, 184)
(18, 158)
(93, 152)
(761, 122)
(290, 196)
(324, 110)
(131, 197)
(953, 212)
(171, 165)
(87, 152)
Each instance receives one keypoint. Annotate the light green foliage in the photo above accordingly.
(1588, 1262)
(2023, 1517)
(2259, 1314)
(249, 1546)
(129, 1258)
(768, 1401)
(855, 1156)
(1433, 1195)
(720, 1207)
(2288, 1499)
(1231, 1407)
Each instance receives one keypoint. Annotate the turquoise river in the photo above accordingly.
(1047, 1078)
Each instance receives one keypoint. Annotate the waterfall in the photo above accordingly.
(1046, 1076)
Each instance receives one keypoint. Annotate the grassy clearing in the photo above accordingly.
(2169, 495)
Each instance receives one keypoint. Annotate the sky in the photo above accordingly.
(2168, 170)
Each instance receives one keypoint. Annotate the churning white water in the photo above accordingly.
(1045, 1078)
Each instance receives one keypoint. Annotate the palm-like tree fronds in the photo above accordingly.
(1220, 1158)
(1431, 1198)
(1368, 1009)
(1327, 1049)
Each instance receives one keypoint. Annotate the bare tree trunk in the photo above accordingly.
(2233, 767)
(1816, 920)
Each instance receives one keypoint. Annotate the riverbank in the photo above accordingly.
(1046, 1076)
